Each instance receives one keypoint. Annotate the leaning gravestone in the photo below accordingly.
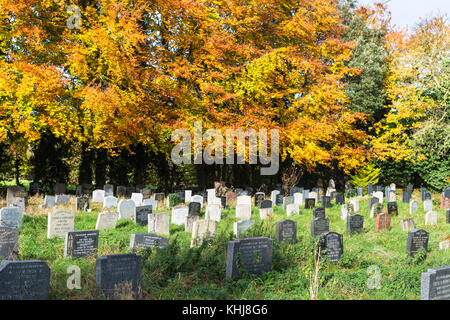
(9, 239)
(242, 226)
(159, 223)
(355, 224)
(107, 220)
(59, 223)
(141, 216)
(273, 196)
(79, 244)
(286, 230)
(407, 224)
(127, 209)
(24, 280)
(319, 212)
(190, 223)
(147, 240)
(179, 215)
(252, 254)
(119, 275)
(10, 217)
(392, 208)
(413, 206)
(319, 226)
(417, 239)
(82, 203)
(334, 246)
(435, 284)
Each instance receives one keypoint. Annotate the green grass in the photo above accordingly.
(181, 272)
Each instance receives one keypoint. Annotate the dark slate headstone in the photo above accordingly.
(417, 239)
(86, 190)
(435, 284)
(141, 216)
(293, 190)
(81, 243)
(334, 245)
(286, 230)
(121, 191)
(326, 201)
(147, 240)
(259, 197)
(355, 224)
(319, 212)
(392, 208)
(373, 201)
(265, 204)
(427, 196)
(406, 196)
(279, 200)
(252, 254)
(34, 188)
(9, 239)
(423, 191)
(310, 203)
(340, 199)
(410, 188)
(117, 272)
(319, 226)
(83, 203)
(223, 201)
(360, 191)
(109, 190)
(24, 280)
(369, 189)
(194, 208)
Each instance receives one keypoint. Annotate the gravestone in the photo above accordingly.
(369, 189)
(273, 196)
(417, 239)
(59, 223)
(240, 227)
(310, 203)
(431, 218)
(413, 206)
(187, 195)
(243, 211)
(373, 201)
(109, 202)
(82, 203)
(119, 275)
(98, 196)
(406, 196)
(24, 280)
(319, 212)
(49, 202)
(252, 254)
(79, 244)
(147, 240)
(293, 190)
(360, 191)
(265, 213)
(435, 284)
(292, 209)
(334, 246)
(355, 204)
(137, 197)
(106, 220)
(194, 209)
(427, 196)
(9, 239)
(392, 208)
(190, 223)
(279, 200)
(326, 202)
(286, 230)
(141, 216)
(423, 191)
(265, 204)
(121, 191)
(10, 217)
(344, 212)
(244, 200)
(213, 212)
(198, 199)
(159, 223)
(379, 195)
(150, 202)
(109, 190)
(203, 230)
(127, 209)
(298, 198)
(129, 191)
(62, 199)
(259, 197)
(179, 215)
(383, 222)
(288, 200)
(427, 205)
(410, 188)
(34, 188)
(340, 199)
(314, 196)
(407, 224)
(319, 226)
(305, 194)
(355, 224)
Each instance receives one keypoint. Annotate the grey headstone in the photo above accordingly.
(435, 284)
(194, 208)
(265, 204)
(141, 216)
(79, 244)
(326, 201)
(62, 199)
(355, 224)
(147, 240)
(49, 202)
(9, 239)
(417, 239)
(319, 212)
(10, 217)
(334, 245)
(242, 226)
(310, 203)
(319, 226)
(286, 230)
(109, 190)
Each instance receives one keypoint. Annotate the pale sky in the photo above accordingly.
(407, 12)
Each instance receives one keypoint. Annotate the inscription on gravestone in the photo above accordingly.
(9, 238)
(319, 226)
(355, 224)
(141, 216)
(286, 230)
(147, 240)
(334, 246)
(81, 243)
(417, 239)
(392, 208)
(435, 284)
(319, 212)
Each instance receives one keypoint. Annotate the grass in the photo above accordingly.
(181, 272)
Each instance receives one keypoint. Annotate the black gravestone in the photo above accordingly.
(118, 272)
(319, 226)
(286, 230)
(223, 202)
(427, 196)
(279, 200)
(340, 199)
(406, 196)
(147, 240)
(24, 280)
(334, 246)
(355, 224)
(332, 195)
(319, 212)
(121, 191)
(417, 239)
(259, 197)
(379, 188)
(252, 254)
(423, 191)
(194, 208)
(435, 284)
(326, 201)
(310, 203)
(9, 238)
(81, 243)
(392, 208)
(141, 216)
(82, 203)
(34, 188)
(265, 204)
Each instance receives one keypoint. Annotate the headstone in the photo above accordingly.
(119, 275)
(417, 239)
(59, 223)
(213, 212)
(147, 240)
(34, 188)
(292, 209)
(319, 226)
(435, 284)
(62, 199)
(265, 204)
(379, 195)
(288, 200)
(265, 213)
(244, 200)
(310, 203)
(340, 199)
(315, 196)
(427, 205)
(179, 215)
(137, 198)
(326, 202)
(259, 197)
(392, 208)
(150, 202)
(10, 217)
(293, 190)
(129, 191)
(410, 188)
(423, 191)
(109, 190)
(187, 195)
(198, 199)
(373, 201)
(203, 230)
(121, 191)
(273, 196)
(286, 230)
(334, 244)
(344, 212)
(407, 224)
(49, 202)
(360, 191)
(392, 186)
(106, 220)
(127, 209)
(279, 200)
(141, 216)
(427, 196)
(252, 254)
(387, 190)
(413, 206)
(159, 223)
(194, 208)
(243, 211)
(109, 202)
(305, 194)
(24, 280)
(355, 224)
(9, 239)
(406, 196)
(383, 222)
(242, 226)
(82, 203)
(79, 244)
(160, 198)
(190, 223)
(298, 198)
(369, 189)
(392, 196)
(98, 196)
(431, 218)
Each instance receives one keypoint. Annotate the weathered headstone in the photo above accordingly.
(286, 230)
(383, 222)
(334, 244)
(379, 195)
(279, 200)
(121, 191)
(141, 216)
(435, 284)
(273, 196)
(292, 209)
(179, 215)
(326, 202)
(298, 198)
(147, 240)
(243, 211)
(240, 227)
(98, 196)
(79, 244)
(355, 224)
(407, 224)
(319, 212)
(194, 209)
(190, 223)
(62, 199)
(109, 202)
(109, 190)
(265, 204)
(59, 223)
(373, 201)
(319, 226)
(9, 239)
(431, 218)
(417, 239)
(150, 202)
(392, 208)
(427, 205)
(369, 189)
(106, 220)
(127, 209)
(159, 223)
(344, 212)
(310, 203)
(49, 202)
(265, 213)
(355, 204)
(413, 206)
(213, 212)
(244, 200)
(82, 203)
(137, 197)
(11, 217)
(259, 197)
(198, 199)
(406, 196)
(203, 230)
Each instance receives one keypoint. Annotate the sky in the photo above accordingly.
(407, 12)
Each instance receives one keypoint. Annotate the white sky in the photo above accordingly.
(408, 12)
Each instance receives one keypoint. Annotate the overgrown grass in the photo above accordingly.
(181, 272)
